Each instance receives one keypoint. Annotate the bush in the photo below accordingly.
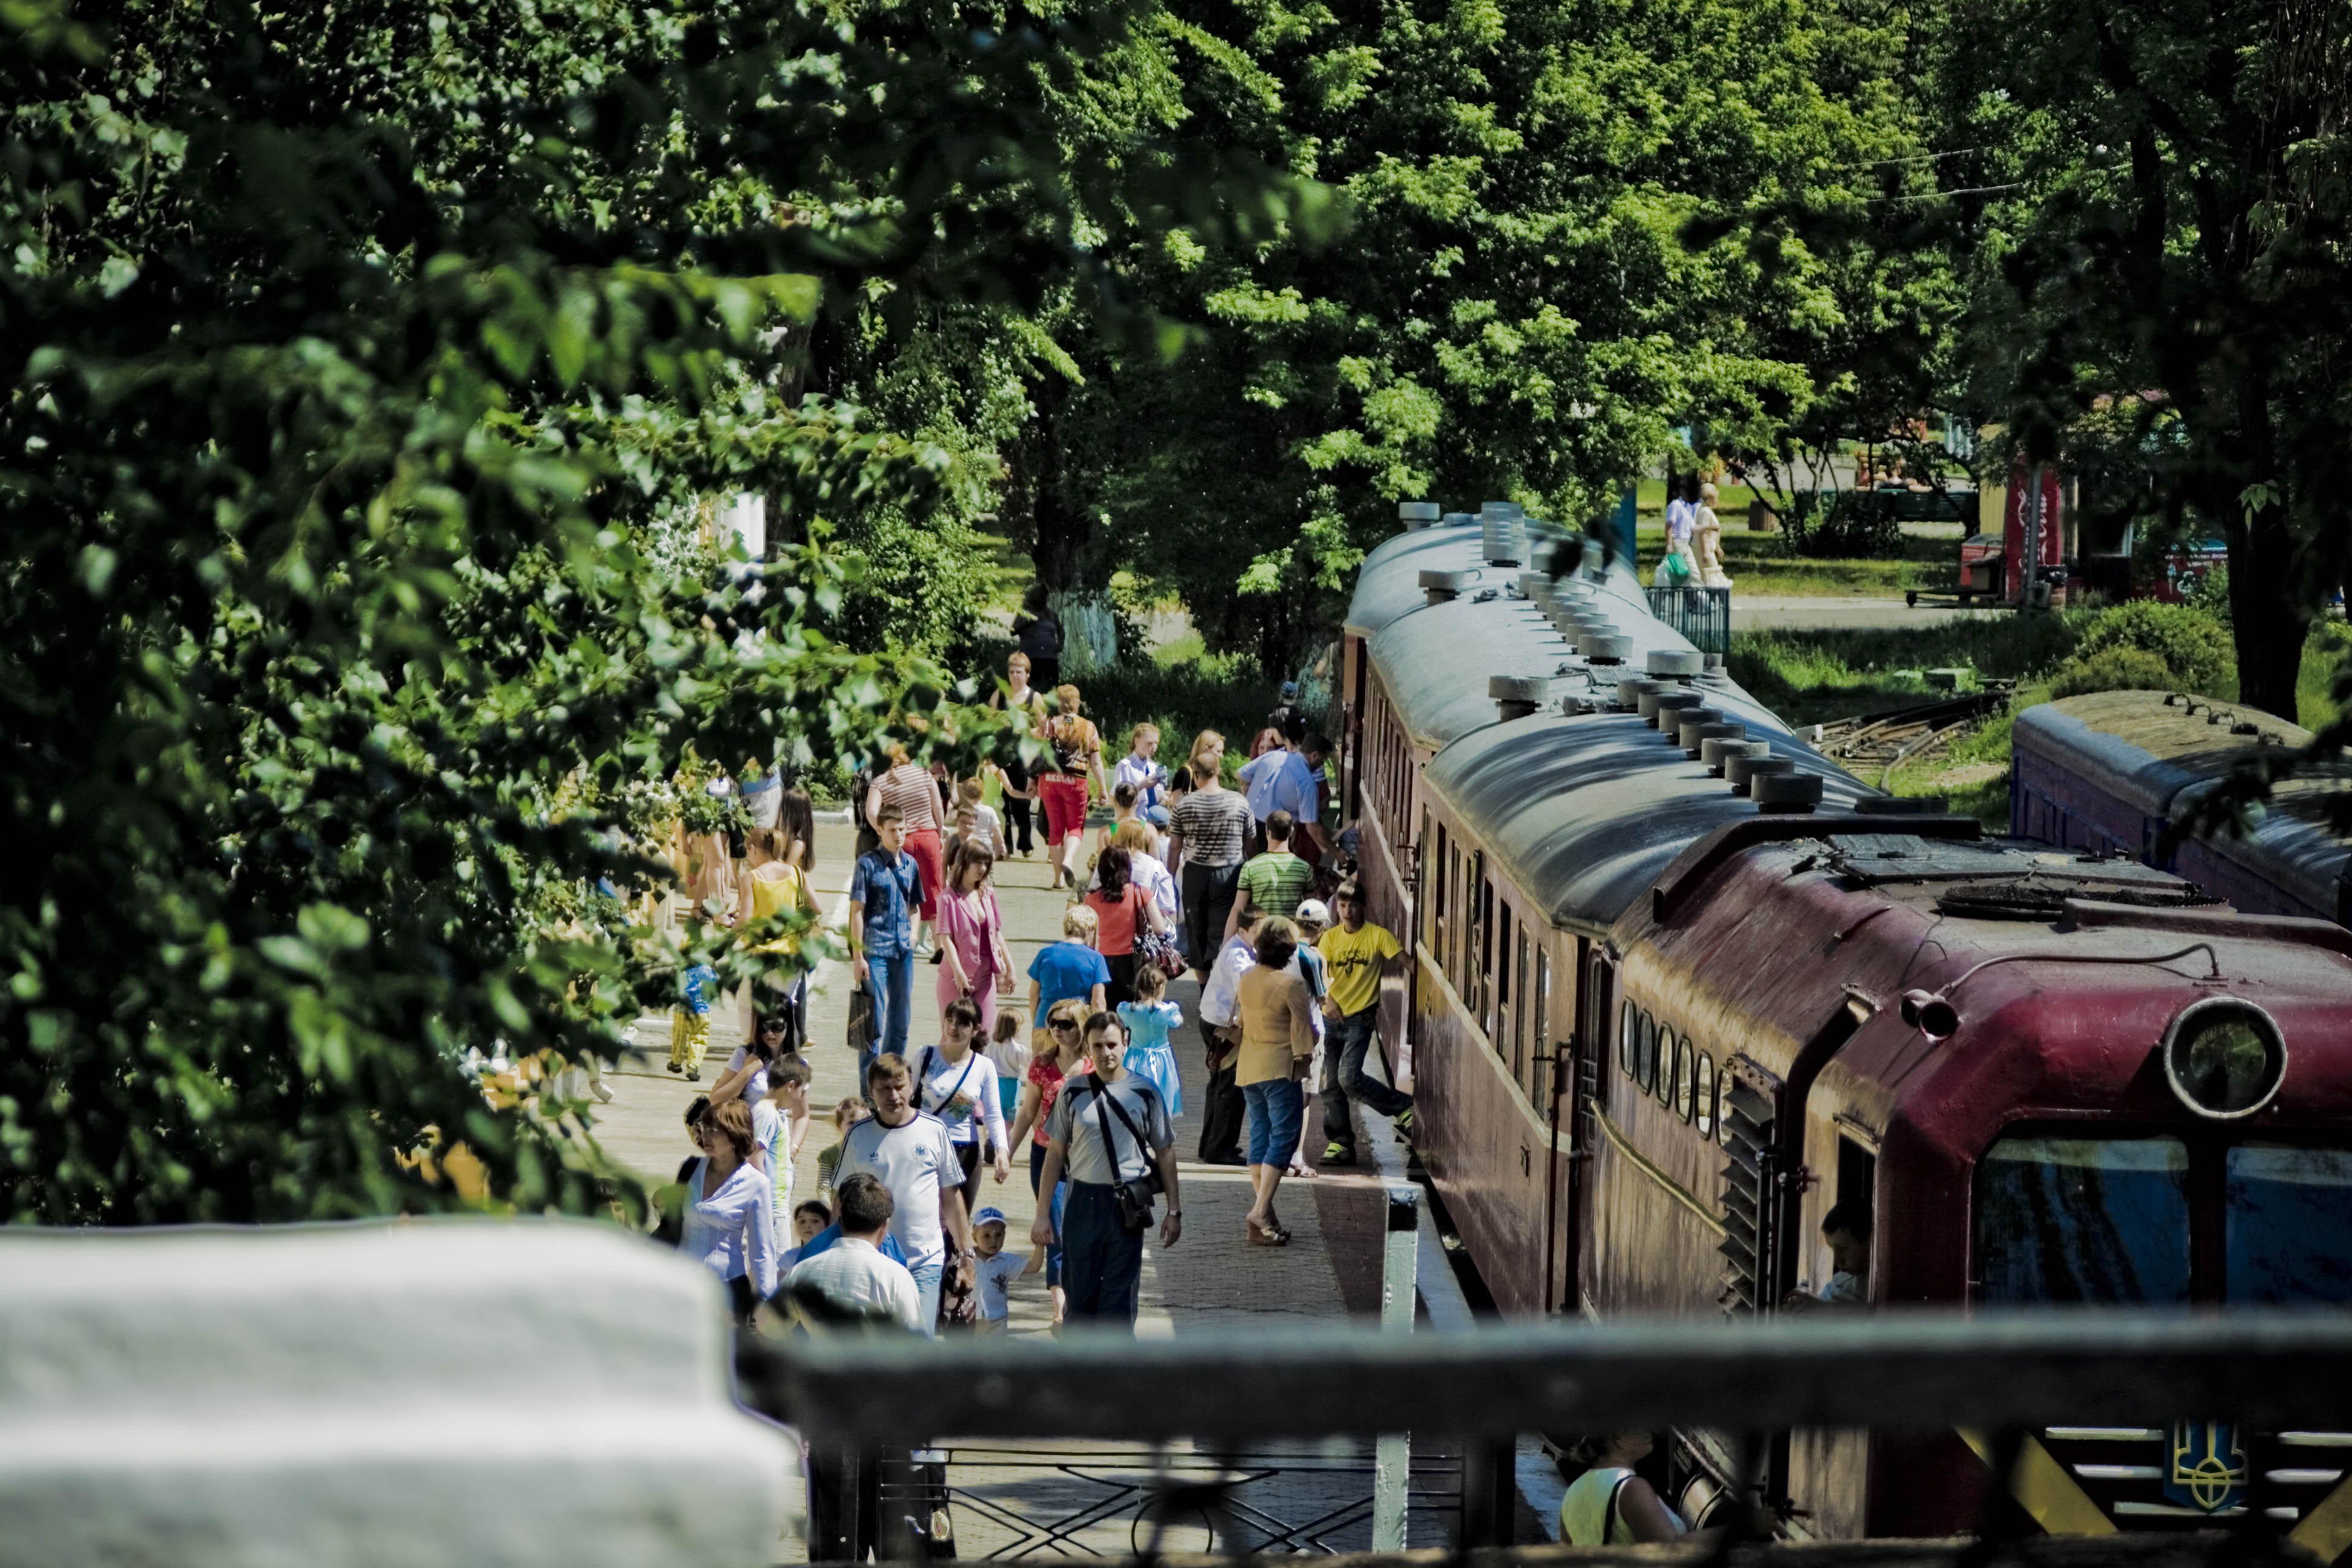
(2193, 647)
(1858, 525)
(2117, 668)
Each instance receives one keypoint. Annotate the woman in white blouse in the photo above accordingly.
(729, 1210)
(958, 1085)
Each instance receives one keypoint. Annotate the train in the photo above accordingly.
(1679, 987)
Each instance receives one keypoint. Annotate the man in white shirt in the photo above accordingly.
(852, 1280)
(914, 1156)
(1223, 1120)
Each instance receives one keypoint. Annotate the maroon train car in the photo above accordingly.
(2048, 1077)
(2110, 771)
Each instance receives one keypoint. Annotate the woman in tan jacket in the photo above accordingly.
(1277, 1023)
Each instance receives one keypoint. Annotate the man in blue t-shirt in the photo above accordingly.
(883, 890)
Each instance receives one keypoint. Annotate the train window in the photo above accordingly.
(1670, 1065)
(1685, 1067)
(1441, 866)
(1505, 1038)
(1723, 1104)
(1646, 1058)
(1519, 1015)
(2084, 1219)
(1629, 1035)
(2287, 1243)
(1703, 1095)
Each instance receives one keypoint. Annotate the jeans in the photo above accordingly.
(890, 980)
(1275, 1106)
(1209, 892)
(1344, 1078)
(1053, 1249)
(1102, 1262)
(927, 1288)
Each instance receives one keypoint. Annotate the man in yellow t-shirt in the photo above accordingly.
(1356, 954)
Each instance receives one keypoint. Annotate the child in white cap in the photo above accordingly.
(993, 1275)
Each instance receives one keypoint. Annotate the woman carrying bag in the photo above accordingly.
(973, 960)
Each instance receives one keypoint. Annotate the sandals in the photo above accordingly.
(1264, 1235)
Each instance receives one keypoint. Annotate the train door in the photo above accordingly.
(1589, 1051)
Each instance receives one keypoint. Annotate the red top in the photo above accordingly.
(1049, 1079)
(1116, 918)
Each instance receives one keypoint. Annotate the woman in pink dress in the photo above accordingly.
(971, 933)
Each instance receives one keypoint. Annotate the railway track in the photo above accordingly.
(1886, 741)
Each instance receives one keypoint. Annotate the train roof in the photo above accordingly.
(1585, 811)
(2146, 747)
(1388, 583)
(2291, 843)
(1436, 660)
(1760, 942)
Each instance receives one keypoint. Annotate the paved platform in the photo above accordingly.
(1084, 1498)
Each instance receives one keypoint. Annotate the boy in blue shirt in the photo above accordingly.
(882, 890)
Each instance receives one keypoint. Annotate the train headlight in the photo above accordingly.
(2224, 1058)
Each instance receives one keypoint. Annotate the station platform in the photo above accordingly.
(1086, 1499)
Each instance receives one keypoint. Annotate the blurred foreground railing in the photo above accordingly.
(1999, 1375)
(1889, 1370)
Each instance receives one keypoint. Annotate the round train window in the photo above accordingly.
(1645, 1055)
(1723, 1104)
(1702, 1094)
(1686, 1066)
(1629, 1031)
(2224, 1058)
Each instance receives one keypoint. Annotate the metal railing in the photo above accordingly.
(1703, 616)
(2003, 1374)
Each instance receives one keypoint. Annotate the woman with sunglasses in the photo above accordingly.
(1061, 1054)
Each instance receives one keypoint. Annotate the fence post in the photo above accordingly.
(1392, 1451)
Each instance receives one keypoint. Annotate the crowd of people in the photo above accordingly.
(1189, 875)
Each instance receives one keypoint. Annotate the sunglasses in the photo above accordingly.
(1059, 1024)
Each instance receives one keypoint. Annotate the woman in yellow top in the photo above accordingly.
(771, 883)
(1277, 1023)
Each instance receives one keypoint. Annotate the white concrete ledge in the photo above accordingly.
(519, 1391)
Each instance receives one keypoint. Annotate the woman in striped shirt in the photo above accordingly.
(911, 788)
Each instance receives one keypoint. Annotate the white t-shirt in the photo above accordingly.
(772, 1130)
(852, 1273)
(915, 1161)
(962, 1095)
(755, 1091)
(995, 1283)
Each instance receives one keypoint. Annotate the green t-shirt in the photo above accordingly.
(1276, 882)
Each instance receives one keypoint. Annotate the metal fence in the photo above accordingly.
(1701, 615)
(1474, 1392)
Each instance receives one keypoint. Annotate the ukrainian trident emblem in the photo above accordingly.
(2208, 1471)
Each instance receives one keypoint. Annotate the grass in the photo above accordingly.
(1819, 676)
(1762, 563)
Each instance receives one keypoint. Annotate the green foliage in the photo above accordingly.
(2119, 667)
(1517, 313)
(2159, 236)
(369, 379)
(2188, 647)
(1854, 525)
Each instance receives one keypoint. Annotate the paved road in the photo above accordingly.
(1796, 612)
(1006, 1500)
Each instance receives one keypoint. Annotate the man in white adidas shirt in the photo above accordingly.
(911, 1152)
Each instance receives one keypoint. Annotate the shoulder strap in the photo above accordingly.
(1610, 1516)
(1103, 1094)
(923, 1074)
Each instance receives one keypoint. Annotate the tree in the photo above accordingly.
(2169, 243)
(367, 369)
(1517, 313)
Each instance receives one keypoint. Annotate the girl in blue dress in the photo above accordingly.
(1147, 1019)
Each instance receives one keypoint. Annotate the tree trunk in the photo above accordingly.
(2269, 616)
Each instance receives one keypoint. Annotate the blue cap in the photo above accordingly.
(992, 1215)
(1289, 689)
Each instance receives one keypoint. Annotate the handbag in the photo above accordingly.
(1133, 1198)
(1160, 947)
